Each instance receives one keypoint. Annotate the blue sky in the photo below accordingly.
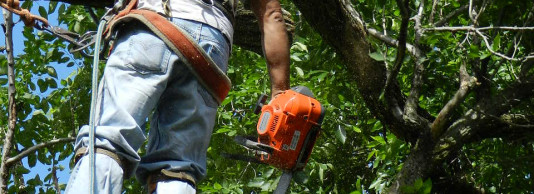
(62, 72)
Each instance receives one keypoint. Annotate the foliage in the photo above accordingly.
(355, 153)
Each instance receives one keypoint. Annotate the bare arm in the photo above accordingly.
(275, 42)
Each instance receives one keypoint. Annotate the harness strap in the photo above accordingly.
(207, 72)
(166, 175)
(122, 163)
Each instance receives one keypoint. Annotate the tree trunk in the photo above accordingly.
(8, 144)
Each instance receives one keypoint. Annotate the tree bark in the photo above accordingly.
(8, 144)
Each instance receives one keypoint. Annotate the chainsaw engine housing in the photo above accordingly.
(290, 124)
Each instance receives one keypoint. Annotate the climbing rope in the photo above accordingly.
(25, 15)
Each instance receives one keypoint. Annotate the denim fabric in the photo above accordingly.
(142, 76)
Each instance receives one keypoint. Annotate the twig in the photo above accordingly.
(8, 144)
(479, 33)
(37, 147)
(415, 52)
(451, 15)
(470, 13)
(54, 177)
(466, 84)
(434, 5)
(488, 46)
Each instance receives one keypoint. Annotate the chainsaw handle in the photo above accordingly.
(260, 103)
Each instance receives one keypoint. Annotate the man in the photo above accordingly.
(142, 75)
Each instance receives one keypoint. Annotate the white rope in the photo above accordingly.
(94, 95)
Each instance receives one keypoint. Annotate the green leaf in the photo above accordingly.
(32, 160)
(42, 85)
(51, 83)
(341, 134)
(321, 77)
(51, 71)
(321, 174)
(3, 81)
(299, 46)
(474, 51)
(379, 139)
(377, 56)
(418, 184)
(217, 186)
(22, 170)
(496, 42)
(61, 9)
(52, 7)
(300, 177)
(427, 185)
(256, 183)
(356, 129)
(370, 155)
(38, 112)
(300, 72)
(43, 12)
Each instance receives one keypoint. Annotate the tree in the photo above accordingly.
(493, 97)
(422, 96)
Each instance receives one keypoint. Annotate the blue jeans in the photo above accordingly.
(142, 77)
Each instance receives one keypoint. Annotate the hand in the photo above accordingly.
(275, 93)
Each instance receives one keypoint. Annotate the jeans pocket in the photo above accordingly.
(147, 53)
(216, 54)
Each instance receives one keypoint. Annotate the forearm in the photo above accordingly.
(275, 43)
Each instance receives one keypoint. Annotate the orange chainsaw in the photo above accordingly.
(287, 129)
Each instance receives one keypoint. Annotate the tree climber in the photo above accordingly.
(143, 75)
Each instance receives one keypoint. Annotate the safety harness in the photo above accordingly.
(207, 72)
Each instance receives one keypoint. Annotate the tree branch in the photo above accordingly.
(415, 52)
(34, 148)
(8, 141)
(471, 28)
(412, 103)
(399, 59)
(476, 123)
(433, 11)
(466, 84)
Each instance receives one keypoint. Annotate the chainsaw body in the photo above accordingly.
(288, 127)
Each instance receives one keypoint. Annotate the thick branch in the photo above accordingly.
(392, 103)
(466, 84)
(405, 13)
(8, 141)
(412, 103)
(37, 147)
(478, 123)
